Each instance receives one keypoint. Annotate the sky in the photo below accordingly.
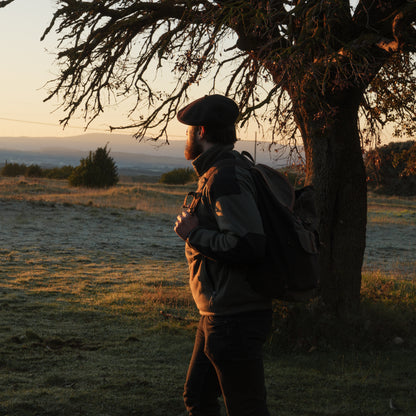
(25, 67)
(27, 64)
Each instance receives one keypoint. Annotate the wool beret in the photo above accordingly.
(210, 110)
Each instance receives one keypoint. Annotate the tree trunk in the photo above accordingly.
(334, 158)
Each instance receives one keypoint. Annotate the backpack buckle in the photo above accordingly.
(191, 206)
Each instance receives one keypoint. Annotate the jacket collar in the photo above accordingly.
(208, 158)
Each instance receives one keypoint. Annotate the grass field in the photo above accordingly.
(96, 317)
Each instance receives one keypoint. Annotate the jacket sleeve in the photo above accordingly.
(238, 236)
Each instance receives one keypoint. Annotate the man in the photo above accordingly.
(224, 240)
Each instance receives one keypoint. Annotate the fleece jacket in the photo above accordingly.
(229, 241)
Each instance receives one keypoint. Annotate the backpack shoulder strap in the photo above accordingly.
(264, 176)
(245, 161)
(274, 181)
(248, 156)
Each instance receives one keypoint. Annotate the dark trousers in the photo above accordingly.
(227, 359)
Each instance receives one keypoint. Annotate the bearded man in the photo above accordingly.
(225, 240)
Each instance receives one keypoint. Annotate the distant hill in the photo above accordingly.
(127, 163)
(131, 156)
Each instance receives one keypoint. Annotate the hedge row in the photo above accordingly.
(35, 171)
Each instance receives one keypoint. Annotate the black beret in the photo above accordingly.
(210, 110)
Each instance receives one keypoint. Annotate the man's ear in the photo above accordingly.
(202, 132)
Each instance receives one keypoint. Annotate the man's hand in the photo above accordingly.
(185, 223)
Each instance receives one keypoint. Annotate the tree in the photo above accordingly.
(310, 67)
(391, 169)
(405, 162)
(98, 170)
(4, 3)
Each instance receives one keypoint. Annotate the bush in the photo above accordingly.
(63, 172)
(179, 176)
(13, 169)
(34, 171)
(391, 169)
(98, 170)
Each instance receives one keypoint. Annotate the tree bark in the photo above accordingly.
(335, 163)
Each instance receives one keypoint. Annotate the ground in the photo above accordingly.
(96, 316)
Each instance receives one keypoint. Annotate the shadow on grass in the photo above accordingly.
(59, 357)
(66, 356)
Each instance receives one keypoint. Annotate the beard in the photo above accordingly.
(193, 147)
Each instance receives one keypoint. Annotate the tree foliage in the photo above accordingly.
(112, 48)
(391, 169)
(98, 170)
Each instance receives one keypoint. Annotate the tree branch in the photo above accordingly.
(112, 49)
(392, 22)
(4, 3)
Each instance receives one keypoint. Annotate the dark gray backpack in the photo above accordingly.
(290, 270)
(290, 222)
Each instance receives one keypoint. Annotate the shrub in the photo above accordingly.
(391, 169)
(63, 172)
(98, 170)
(13, 169)
(34, 171)
(179, 176)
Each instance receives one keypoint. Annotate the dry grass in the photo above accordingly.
(158, 198)
(393, 210)
(90, 339)
(83, 338)
(153, 198)
(82, 333)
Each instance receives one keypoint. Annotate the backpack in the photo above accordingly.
(291, 268)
